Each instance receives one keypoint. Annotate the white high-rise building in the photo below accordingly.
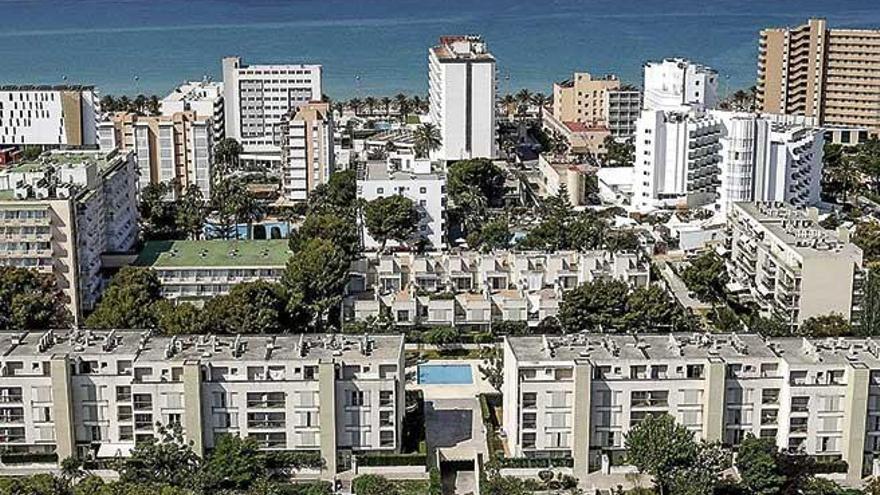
(48, 115)
(205, 98)
(307, 155)
(257, 98)
(461, 85)
(697, 158)
(675, 83)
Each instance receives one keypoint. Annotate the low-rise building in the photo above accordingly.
(475, 289)
(597, 102)
(55, 116)
(62, 212)
(573, 175)
(176, 147)
(579, 395)
(415, 179)
(192, 270)
(582, 138)
(98, 394)
(789, 264)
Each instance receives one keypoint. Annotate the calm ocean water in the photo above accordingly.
(130, 46)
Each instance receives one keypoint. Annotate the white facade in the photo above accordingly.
(308, 154)
(675, 83)
(461, 89)
(698, 158)
(59, 215)
(425, 188)
(205, 98)
(579, 395)
(258, 97)
(101, 393)
(48, 115)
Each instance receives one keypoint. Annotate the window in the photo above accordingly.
(386, 398)
(694, 371)
(529, 421)
(356, 398)
(386, 439)
(770, 396)
(528, 440)
(529, 400)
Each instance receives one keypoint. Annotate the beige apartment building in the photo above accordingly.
(792, 267)
(97, 394)
(307, 157)
(814, 71)
(577, 396)
(601, 101)
(176, 147)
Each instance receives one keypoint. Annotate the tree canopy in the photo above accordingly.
(30, 300)
(391, 218)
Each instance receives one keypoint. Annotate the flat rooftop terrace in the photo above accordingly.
(214, 253)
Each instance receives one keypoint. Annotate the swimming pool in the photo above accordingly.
(445, 374)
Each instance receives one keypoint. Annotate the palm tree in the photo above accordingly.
(153, 105)
(427, 139)
(418, 104)
(386, 102)
(509, 102)
(403, 106)
(540, 100)
(338, 107)
(355, 104)
(140, 101)
(524, 97)
(370, 102)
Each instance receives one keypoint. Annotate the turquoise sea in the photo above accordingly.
(379, 47)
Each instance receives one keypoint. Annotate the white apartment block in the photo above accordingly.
(59, 215)
(256, 100)
(675, 83)
(98, 394)
(176, 147)
(698, 158)
(622, 108)
(194, 270)
(578, 395)
(474, 289)
(48, 115)
(307, 157)
(461, 90)
(205, 98)
(415, 180)
(791, 266)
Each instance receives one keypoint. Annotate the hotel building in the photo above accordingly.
(205, 98)
(307, 155)
(597, 102)
(579, 395)
(461, 90)
(815, 71)
(98, 394)
(674, 83)
(257, 98)
(57, 116)
(61, 213)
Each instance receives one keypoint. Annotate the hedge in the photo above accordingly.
(27, 457)
(392, 460)
(535, 462)
(296, 459)
(828, 467)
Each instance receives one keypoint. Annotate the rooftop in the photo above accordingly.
(66, 159)
(214, 253)
(46, 87)
(462, 48)
(143, 346)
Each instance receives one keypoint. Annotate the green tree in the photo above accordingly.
(619, 154)
(235, 463)
(315, 279)
(374, 484)
(190, 215)
(441, 336)
(725, 319)
(650, 307)
(830, 325)
(128, 301)
(870, 316)
(757, 465)
(492, 368)
(660, 447)
(706, 277)
(226, 155)
(867, 237)
(338, 195)
(231, 203)
(391, 218)
(593, 305)
(30, 300)
(427, 139)
(480, 173)
(166, 460)
(769, 327)
(339, 230)
(495, 234)
(250, 307)
(157, 214)
(179, 319)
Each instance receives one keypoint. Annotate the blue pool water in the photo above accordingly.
(445, 374)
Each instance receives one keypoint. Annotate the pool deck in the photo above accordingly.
(451, 391)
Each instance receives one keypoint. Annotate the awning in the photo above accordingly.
(109, 450)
